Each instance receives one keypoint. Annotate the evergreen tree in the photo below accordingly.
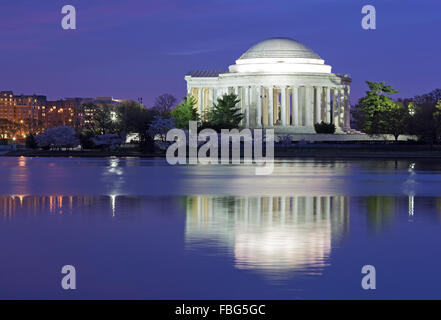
(185, 112)
(226, 114)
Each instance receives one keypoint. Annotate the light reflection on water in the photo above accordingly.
(132, 176)
(273, 235)
(219, 225)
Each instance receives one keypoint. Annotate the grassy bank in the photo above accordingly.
(360, 151)
(83, 153)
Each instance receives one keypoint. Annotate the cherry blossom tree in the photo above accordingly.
(58, 137)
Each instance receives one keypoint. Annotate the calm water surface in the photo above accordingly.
(141, 229)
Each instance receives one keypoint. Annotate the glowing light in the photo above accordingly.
(411, 205)
(113, 204)
(22, 161)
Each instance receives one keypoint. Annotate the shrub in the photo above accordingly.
(284, 141)
(30, 141)
(86, 140)
(324, 127)
(108, 141)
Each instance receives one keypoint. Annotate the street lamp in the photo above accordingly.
(411, 108)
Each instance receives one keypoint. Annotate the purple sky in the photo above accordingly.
(140, 48)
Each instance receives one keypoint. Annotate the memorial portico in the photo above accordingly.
(281, 84)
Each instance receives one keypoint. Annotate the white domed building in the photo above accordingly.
(282, 84)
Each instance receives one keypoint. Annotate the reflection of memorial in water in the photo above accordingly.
(274, 235)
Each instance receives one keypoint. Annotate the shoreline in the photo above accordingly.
(360, 152)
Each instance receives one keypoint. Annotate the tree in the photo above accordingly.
(432, 98)
(30, 141)
(164, 104)
(425, 120)
(133, 117)
(437, 119)
(185, 112)
(31, 125)
(58, 137)
(99, 119)
(44, 141)
(225, 114)
(5, 128)
(396, 119)
(10, 129)
(86, 139)
(160, 126)
(377, 113)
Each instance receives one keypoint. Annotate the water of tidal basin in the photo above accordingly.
(142, 229)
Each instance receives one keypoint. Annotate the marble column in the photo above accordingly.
(213, 98)
(259, 106)
(247, 106)
(309, 109)
(205, 97)
(252, 108)
(295, 106)
(288, 106)
(271, 106)
(265, 108)
(276, 106)
(328, 104)
(335, 109)
(347, 108)
(302, 114)
(200, 102)
(239, 93)
(341, 110)
(318, 110)
(283, 105)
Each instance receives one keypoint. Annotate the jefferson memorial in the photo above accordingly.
(282, 84)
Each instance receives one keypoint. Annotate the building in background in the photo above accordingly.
(24, 114)
(90, 107)
(20, 114)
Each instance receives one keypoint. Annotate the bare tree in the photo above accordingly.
(164, 104)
